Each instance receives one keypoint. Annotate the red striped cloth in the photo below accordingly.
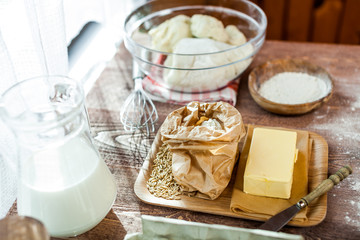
(158, 93)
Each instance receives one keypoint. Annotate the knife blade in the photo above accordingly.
(279, 220)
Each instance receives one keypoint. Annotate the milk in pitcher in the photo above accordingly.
(67, 188)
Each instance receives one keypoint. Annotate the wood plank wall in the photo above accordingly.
(329, 21)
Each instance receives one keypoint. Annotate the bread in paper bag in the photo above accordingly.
(203, 139)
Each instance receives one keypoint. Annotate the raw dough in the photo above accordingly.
(200, 34)
(168, 33)
(236, 37)
(204, 26)
(208, 78)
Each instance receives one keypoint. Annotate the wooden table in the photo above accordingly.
(338, 122)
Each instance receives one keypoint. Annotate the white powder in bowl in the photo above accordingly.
(293, 88)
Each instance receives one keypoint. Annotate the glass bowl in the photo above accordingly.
(207, 75)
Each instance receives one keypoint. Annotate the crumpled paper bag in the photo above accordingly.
(265, 207)
(204, 151)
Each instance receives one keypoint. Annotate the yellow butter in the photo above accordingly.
(270, 163)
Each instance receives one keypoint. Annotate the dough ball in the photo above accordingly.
(168, 33)
(208, 78)
(204, 26)
(236, 37)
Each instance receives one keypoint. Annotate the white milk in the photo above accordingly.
(69, 188)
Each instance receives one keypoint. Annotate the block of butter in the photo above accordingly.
(270, 163)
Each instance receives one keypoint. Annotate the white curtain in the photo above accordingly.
(32, 43)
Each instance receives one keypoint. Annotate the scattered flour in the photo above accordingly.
(293, 88)
(353, 221)
(356, 101)
(354, 184)
(347, 219)
(340, 129)
(353, 203)
(356, 187)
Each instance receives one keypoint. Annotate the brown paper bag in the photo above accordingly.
(204, 154)
(265, 207)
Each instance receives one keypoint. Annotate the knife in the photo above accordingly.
(279, 220)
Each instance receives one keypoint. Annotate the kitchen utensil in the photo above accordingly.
(276, 222)
(63, 182)
(138, 111)
(264, 72)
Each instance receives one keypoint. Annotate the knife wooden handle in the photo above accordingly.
(326, 185)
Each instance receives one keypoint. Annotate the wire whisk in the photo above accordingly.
(138, 111)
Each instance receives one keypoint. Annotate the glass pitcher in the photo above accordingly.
(63, 182)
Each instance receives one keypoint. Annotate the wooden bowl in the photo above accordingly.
(264, 72)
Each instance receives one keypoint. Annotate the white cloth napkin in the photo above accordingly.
(32, 43)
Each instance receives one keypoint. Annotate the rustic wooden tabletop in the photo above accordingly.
(337, 121)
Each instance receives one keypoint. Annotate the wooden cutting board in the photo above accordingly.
(318, 168)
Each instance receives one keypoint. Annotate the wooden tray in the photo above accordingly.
(318, 169)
